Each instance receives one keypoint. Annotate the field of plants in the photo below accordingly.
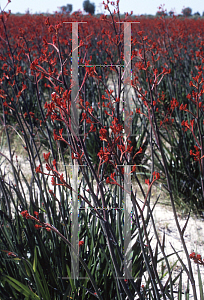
(75, 222)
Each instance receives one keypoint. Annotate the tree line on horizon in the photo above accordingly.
(90, 8)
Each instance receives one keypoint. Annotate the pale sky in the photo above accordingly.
(138, 7)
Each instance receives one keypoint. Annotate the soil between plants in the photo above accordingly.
(163, 218)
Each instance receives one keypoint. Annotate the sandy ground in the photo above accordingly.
(194, 239)
(164, 221)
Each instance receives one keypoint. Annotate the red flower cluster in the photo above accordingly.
(46, 156)
(11, 254)
(103, 134)
(156, 176)
(196, 154)
(197, 258)
(81, 243)
(26, 215)
(123, 150)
